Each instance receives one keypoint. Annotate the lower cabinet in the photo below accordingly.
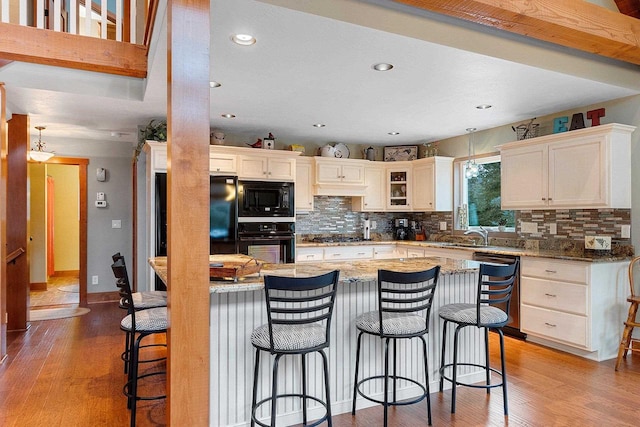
(575, 306)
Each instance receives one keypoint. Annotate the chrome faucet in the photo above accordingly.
(482, 232)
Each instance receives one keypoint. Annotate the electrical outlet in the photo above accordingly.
(553, 228)
(94, 280)
(597, 242)
(116, 223)
(625, 231)
(443, 225)
(374, 225)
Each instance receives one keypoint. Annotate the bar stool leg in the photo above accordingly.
(444, 341)
(274, 390)
(486, 359)
(454, 375)
(426, 376)
(504, 372)
(395, 365)
(386, 381)
(355, 380)
(304, 389)
(627, 333)
(325, 362)
(255, 387)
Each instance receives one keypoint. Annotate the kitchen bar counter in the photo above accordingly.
(238, 308)
(624, 253)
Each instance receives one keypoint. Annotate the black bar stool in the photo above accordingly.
(404, 307)
(495, 285)
(137, 324)
(299, 314)
(140, 301)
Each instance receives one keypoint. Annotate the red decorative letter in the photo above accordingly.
(594, 116)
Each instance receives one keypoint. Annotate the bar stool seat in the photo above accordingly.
(150, 320)
(289, 337)
(394, 323)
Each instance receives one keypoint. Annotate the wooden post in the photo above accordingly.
(187, 212)
(3, 222)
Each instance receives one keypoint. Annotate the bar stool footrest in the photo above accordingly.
(124, 355)
(281, 396)
(394, 402)
(485, 386)
(125, 389)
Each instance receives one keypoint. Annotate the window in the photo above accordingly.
(481, 195)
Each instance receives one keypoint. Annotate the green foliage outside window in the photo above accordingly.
(484, 198)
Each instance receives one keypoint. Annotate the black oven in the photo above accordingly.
(265, 199)
(272, 242)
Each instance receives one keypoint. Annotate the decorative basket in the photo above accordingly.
(527, 131)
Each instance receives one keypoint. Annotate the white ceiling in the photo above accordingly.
(315, 67)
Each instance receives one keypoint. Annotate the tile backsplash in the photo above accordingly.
(333, 215)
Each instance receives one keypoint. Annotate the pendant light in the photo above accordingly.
(471, 167)
(38, 154)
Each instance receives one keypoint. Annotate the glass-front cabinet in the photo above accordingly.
(399, 187)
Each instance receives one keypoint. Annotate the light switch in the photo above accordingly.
(553, 228)
(100, 196)
(116, 223)
(443, 225)
(625, 231)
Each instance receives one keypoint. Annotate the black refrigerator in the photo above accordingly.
(223, 216)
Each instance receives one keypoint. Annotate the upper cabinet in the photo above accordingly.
(339, 177)
(222, 163)
(374, 196)
(304, 184)
(433, 184)
(580, 169)
(399, 186)
(267, 166)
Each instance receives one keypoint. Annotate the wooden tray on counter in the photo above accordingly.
(233, 266)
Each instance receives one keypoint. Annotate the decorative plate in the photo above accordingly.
(342, 151)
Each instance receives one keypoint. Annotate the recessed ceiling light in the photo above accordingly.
(383, 66)
(229, 116)
(243, 39)
(483, 106)
(394, 133)
(214, 84)
(319, 125)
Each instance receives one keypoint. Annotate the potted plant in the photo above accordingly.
(155, 130)
(502, 223)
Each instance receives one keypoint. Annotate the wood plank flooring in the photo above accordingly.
(68, 372)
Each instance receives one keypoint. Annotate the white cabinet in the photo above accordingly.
(268, 167)
(309, 254)
(414, 252)
(399, 186)
(222, 163)
(374, 195)
(304, 184)
(339, 177)
(574, 306)
(461, 253)
(334, 253)
(432, 184)
(389, 252)
(586, 168)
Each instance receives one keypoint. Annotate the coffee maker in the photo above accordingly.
(401, 229)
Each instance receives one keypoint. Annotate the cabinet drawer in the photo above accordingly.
(415, 253)
(309, 254)
(555, 270)
(568, 297)
(342, 252)
(565, 327)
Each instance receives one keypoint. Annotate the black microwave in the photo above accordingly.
(265, 199)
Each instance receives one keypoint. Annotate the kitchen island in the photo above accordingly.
(237, 308)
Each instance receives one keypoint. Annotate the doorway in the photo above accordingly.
(58, 233)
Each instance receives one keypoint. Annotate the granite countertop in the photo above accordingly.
(570, 252)
(350, 271)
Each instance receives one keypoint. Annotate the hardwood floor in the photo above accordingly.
(57, 293)
(68, 372)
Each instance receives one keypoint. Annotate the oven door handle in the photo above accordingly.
(265, 239)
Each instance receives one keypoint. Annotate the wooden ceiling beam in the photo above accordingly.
(575, 24)
(27, 44)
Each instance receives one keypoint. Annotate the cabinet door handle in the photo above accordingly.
(550, 324)
(550, 199)
(551, 271)
(361, 253)
(309, 256)
(551, 295)
(543, 199)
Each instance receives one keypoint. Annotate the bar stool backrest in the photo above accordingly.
(495, 286)
(300, 301)
(122, 282)
(406, 293)
(632, 272)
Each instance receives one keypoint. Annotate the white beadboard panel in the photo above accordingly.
(235, 315)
